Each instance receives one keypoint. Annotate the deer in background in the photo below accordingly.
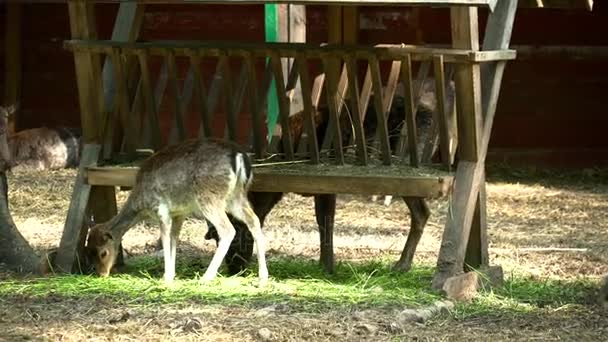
(41, 148)
(241, 249)
(199, 177)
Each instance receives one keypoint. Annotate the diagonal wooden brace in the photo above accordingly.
(468, 199)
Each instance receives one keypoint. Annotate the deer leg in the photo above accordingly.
(419, 212)
(325, 211)
(241, 250)
(166, 223)
(176, 228)
(241, 210)
(226, 233)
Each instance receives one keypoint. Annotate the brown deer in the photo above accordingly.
(45, 148)
(199, 177)
(241, 249)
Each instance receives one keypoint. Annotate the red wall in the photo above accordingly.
(545, 104)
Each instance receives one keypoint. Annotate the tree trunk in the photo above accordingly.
(15, 252)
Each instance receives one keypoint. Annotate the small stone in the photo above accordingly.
(462, 287)
(491, 276)
(367, 328)
(265, 334)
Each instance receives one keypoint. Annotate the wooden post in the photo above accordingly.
(100, 202)
(12, 43)
(470, 175)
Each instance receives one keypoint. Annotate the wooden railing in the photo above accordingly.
(137, 114)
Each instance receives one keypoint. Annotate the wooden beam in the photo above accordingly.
(469, 178)
(312, 179)
(72, 231)
(435, 3)
(12, 61)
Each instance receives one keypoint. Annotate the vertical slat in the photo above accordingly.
(200, 93)
(228, 96)
(389, 92)
(275, 61)
(122, 101)
(341, 93)
(317, 89)
(356, 115)
(151, 123)
(258, 120)
(410, 110)
(329, 62)
(309, 108)
(176, 100)
(442, 108)
(366, 92)
(315, 98)
(382, 134)
(213, 97)
(239, 90)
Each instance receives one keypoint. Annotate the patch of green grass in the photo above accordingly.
(299, 282)
(303, 285)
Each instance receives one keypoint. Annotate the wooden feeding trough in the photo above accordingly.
(120, 114)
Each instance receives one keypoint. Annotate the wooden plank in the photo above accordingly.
(122, 102)
(66, 254)
(442, 111)
(126, 29)
(309, 110)
(466, 199)
(415, 94)
(200, 92)
(437, 3)
(289, 50)
(332, 95)
(178, 129)
(258, 119)
(410, 111)
(311, 181)
(382, 133)
(151, 121)
(356, 114)
(467, 78)
(231, 123)
(286, 138)
(12, 61)
(87, 93)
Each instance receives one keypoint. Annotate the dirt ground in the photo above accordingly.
(568, 216)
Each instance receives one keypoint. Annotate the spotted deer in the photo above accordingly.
(45, 148)
(202, 178)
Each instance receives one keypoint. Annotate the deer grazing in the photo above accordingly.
(241, 249)
(202, 178)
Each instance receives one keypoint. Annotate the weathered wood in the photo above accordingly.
(332, 95)
(200, 92)
(381, 115)
(445, 3)
(442, 111)
(289, 50)
(286, 138)
(469, 175)
(66, 254)
(309, 110)
(178, 129)
(410, 111)
(12, 61)
(311, 180)
(228, 97)
(258, 119)
(355, 110)
(122, 103)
